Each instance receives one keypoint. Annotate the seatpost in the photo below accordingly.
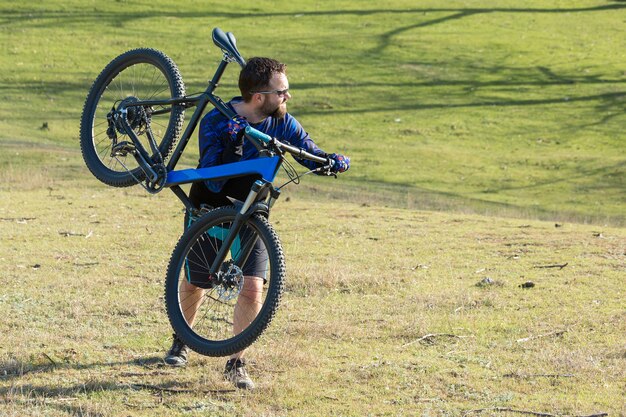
(218, 75)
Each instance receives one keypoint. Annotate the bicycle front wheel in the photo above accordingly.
(139, 74)
(218, 315)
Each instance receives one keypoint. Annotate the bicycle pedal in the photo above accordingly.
(123, 149)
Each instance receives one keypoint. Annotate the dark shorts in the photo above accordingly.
(237, 188)
(204, 251)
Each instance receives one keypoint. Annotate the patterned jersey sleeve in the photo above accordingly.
(211, 145)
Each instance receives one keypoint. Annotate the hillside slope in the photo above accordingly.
(387, 312)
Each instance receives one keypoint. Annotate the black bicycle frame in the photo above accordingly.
(251, 205)
(200, 102)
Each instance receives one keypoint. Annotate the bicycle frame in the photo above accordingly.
(266, 166)
(200, 102)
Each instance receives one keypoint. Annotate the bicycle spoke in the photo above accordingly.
(208, 310)
(142, 81)
(227, 308)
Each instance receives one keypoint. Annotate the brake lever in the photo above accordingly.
(325, 170)
(328, 167)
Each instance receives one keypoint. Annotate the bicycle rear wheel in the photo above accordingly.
(224, 314)
(139, 74)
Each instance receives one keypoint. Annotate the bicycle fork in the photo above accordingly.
(240, 219)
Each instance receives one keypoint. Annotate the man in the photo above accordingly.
(263, 105)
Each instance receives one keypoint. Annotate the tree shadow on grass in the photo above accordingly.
(611, 103)
(410, 196)
(607, 100)
(51, 18)
(59, 396)
(457, 14)
(14, 368)
(609, 177)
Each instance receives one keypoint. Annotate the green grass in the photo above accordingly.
(498, 107)
(84, 326)
(483, 136)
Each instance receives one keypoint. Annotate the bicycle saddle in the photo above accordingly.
(227, 43)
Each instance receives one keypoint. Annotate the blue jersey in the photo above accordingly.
(215, 141)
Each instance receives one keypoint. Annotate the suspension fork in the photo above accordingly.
(240, 219)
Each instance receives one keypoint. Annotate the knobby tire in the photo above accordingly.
(213, 336)
(141, 73)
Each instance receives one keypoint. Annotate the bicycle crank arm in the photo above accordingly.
(145, 167)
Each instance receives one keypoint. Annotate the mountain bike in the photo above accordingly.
(229, 262)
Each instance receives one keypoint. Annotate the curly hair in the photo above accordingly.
(256, 75)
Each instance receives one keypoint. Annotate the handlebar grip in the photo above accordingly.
(257, 134)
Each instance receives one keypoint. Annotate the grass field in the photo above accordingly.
(84, 326)
(487, 142)
(490, 107)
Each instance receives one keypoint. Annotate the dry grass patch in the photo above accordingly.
(381, 313)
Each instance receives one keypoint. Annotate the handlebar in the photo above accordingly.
(257, 135)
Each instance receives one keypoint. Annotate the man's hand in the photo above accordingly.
(236, 127)
(342, 163)
(233, 140)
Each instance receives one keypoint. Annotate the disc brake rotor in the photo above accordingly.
(232, 283)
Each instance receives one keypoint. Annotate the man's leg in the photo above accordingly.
(191, 298)
(248, 306)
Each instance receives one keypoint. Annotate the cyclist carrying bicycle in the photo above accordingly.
(263, 105)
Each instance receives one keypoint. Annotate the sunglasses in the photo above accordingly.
(279, 93)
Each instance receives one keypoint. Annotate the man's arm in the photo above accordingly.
(297, 136)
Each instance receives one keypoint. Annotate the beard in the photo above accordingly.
(277, 113)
